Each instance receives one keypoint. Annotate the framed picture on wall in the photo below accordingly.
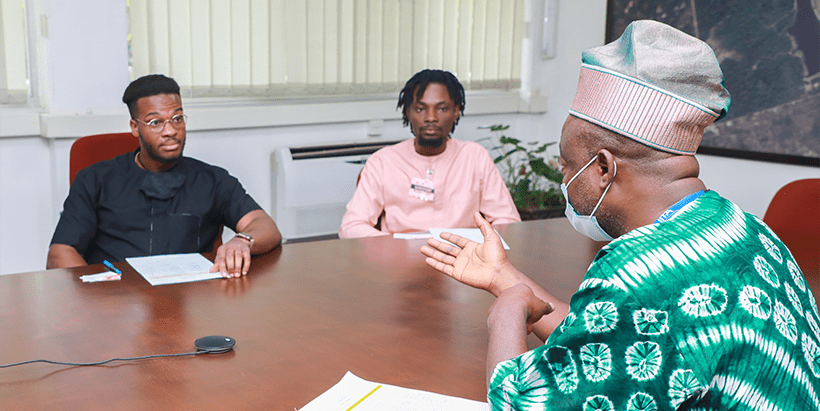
(769, 51)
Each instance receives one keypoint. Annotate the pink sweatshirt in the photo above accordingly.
(464, 180)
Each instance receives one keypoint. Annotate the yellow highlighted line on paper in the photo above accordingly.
(363, 398)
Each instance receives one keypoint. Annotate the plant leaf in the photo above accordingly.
(509, 140)
(539, 166)
(544, 147)
(554, 176)
(528, 175)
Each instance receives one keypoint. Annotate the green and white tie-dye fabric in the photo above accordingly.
(707, 311)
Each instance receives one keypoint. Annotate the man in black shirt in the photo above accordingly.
(155, 201)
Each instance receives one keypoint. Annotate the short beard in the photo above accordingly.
(153, 155)
(432, 143)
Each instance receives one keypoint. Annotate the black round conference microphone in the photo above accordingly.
(215, 344)
(212, 344)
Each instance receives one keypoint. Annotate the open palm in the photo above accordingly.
(477, 265)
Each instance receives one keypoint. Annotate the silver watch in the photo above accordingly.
(246, 236)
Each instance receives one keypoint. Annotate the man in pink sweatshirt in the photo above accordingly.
(430, 181)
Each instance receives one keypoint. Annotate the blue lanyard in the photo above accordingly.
(668, 214)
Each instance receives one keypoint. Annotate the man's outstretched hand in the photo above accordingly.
(483, 266)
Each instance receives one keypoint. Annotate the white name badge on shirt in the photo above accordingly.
(422, 189)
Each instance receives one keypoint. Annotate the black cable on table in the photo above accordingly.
(83, 364)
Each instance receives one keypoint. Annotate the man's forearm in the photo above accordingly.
(64, 256)
(544, 327)
(356, 222)
(266, 235)
(508, 338)
(548, 323)
(262, 228)
(359, 230)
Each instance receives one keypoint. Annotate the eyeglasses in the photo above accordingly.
(156, 125)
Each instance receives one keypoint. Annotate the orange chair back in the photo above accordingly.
(93, 149)
(795, 209)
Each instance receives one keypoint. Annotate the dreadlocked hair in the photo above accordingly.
(419, 83)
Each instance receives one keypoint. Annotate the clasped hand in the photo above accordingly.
(233, 259)
(518, 304)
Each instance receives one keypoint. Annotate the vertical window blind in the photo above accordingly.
(13, 66)
(287, 48)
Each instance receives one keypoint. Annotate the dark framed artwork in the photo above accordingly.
(769, 51)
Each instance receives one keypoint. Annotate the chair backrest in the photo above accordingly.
(795, 208)
(92, 149)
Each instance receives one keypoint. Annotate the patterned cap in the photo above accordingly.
(655, 84)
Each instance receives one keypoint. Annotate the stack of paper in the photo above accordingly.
(472, 234)
(355, 394)
(173, 268)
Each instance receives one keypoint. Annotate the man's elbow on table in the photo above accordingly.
(64, 256)
(263, 229)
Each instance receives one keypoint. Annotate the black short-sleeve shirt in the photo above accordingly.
(108, 214)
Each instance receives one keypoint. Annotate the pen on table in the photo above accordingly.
(111, 267)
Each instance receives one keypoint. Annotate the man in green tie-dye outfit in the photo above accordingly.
(694, 305)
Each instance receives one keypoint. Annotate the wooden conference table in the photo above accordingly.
(303, 316)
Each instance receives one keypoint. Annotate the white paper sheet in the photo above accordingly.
(355, 394)
(473, 234)
(173, 268)
(412, 236)
(106, 276)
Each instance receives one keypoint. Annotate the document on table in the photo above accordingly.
(173, 268)
(355, 394)
(412, 236)
(473, 234)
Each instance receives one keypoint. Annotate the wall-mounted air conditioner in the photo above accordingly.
(312, 185)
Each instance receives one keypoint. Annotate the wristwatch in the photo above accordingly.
(246, 236)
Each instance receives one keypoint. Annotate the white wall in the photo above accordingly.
(750, 184)
(82, 67)
(25, 203)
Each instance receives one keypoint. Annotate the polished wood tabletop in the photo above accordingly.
(304, 315)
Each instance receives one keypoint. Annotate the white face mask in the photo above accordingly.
(587, 224)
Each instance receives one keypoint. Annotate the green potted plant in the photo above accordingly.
(532, 176)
